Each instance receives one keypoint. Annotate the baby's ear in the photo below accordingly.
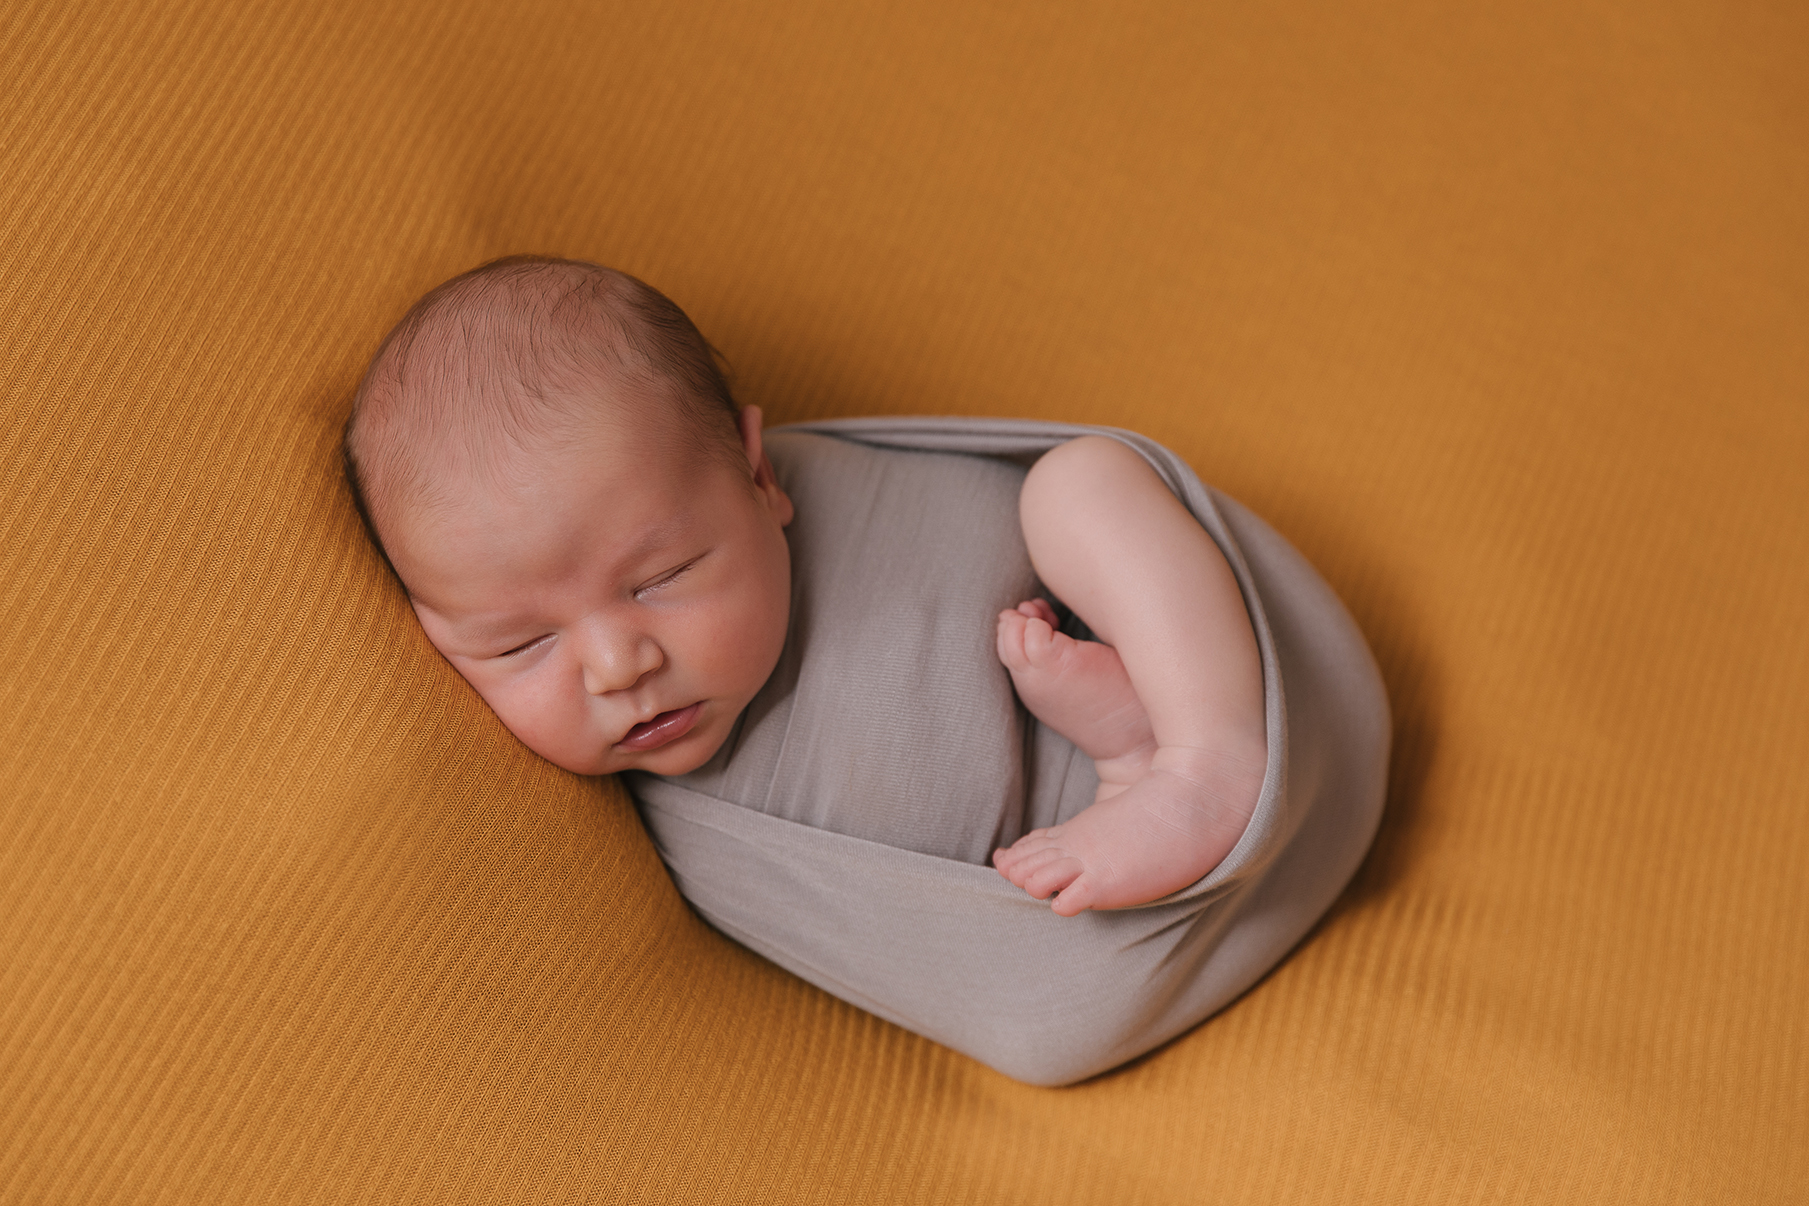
(766, 480)
(777, 498)
(747, 422)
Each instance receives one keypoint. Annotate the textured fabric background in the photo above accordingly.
(1500, 312)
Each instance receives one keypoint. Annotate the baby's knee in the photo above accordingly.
(1085, 461)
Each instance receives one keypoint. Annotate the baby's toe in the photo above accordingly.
(1020, 866)
(1053, 874)
(1042, 644)
(1036, 839)
(1011, 641)
(1076, 898)
(1038, 609)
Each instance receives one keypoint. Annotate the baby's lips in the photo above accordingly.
(663, 729)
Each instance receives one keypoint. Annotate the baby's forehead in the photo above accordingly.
(618, 460)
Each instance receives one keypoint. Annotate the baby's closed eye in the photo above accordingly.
(666, 579)
(525, 645)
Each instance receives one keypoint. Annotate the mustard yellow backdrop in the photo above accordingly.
(1500, 311)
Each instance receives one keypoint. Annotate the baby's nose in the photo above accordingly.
(618, 665)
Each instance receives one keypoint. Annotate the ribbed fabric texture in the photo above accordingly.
(1500, 312)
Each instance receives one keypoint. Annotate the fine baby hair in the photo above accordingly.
(505, 358)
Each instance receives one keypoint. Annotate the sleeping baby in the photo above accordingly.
(837, 650)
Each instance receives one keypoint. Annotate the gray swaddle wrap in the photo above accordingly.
(843, 830)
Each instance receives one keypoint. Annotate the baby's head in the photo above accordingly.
(586, 526)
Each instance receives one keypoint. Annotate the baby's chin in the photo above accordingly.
(680, 758)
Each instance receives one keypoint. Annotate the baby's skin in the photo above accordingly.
(1168, 704)
(607, 566)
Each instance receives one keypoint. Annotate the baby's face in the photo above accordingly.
(620, 608)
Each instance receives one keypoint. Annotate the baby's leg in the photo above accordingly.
(1110, 540)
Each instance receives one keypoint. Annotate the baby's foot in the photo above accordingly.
(1077, 688)
(1170, 827)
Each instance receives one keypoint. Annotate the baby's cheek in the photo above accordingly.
(742, 649)
(545, 721)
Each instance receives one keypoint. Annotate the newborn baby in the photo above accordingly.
(592, 534)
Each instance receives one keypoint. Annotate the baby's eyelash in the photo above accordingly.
(522, 648)
(670, 578)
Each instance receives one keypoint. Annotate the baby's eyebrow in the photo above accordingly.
(488, 631)
(654, 539)
(475, 632)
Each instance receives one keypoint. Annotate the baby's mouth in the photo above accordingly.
(663, 729)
